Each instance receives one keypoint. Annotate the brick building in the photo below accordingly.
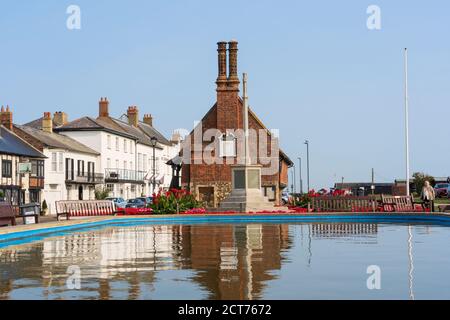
(211, 183)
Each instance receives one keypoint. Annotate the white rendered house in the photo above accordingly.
(126, 147)
(71, 168)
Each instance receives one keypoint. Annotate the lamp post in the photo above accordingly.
(300, 174)
(407, 123)
(293, 180)
(307, 163)
(154, 141)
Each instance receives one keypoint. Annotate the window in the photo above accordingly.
(125, 165)
(54, 162)
(125, 147)
(139, 161)
(70, 171)
(60, 162)
(108, 163)
(117, 144)
(227, 146)
(37, 168)
(110, 187)
(6, 168)
(144, 160)
(108, 139)
(131, 147)
(117, 164)
(91, 171)
(131, 165)
(80, 167)
(57, 162)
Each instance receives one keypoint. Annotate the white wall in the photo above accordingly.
(98, 140)
(55, 188)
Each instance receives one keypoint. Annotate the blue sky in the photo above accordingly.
(315, 72)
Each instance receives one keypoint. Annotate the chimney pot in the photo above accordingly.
(133, 116)
(60, 118)
(222, 63)
(6, 118)
(103, 108)
(47, 123)
(233, 78)
(148, 119)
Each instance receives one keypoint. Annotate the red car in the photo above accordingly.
(442, 190)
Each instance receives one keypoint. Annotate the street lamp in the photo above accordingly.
(300, 174)
(307, 163)
(154, 142)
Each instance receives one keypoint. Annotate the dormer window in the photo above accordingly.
(227, 145)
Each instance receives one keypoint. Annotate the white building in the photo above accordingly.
(126, 148)
(71, 168)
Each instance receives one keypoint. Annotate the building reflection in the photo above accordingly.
(332, 230)
(229, 261)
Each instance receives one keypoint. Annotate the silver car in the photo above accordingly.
(119, 202)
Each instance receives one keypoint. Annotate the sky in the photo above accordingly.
(315, 71)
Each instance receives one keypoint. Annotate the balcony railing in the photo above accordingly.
(124, 175)
(93, 178)
(36, 183)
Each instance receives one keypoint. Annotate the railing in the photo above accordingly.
(95, 178)
(344, 204)
(124, 175)
(36, 182)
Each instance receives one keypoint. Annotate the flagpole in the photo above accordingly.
(407, 122)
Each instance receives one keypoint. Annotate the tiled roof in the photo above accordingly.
(91, 124)
(37, 124)
(149, 131)
(12, 144)
(56, 140)
(120, 127)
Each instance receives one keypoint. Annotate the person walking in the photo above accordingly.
(428, 196)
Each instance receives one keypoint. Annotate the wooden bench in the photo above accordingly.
(399, 204)
(7, 214)
(88, 208)
(344, 204)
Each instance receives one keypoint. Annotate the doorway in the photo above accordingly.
(80, 193)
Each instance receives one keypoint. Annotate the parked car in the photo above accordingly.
(120, 202)
(442, 190)
(136, 203)
(146, 200)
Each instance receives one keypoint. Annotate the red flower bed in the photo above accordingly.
(134, 211)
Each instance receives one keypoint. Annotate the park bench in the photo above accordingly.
(399, 203)
(87, 208)
(344, 204)
(7, 214)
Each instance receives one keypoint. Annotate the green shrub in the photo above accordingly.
(101, 193)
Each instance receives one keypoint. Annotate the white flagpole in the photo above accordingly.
(407, 122)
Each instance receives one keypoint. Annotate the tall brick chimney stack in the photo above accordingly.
(47, 123)
(103, 110)
(133, 116)
(233, 78)
(60, 118)
(229, 115)
(222, 62)
(6, 118)
(148, 119)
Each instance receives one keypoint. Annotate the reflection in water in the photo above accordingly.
(224, 261)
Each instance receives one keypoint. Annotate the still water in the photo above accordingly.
(232, 261)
